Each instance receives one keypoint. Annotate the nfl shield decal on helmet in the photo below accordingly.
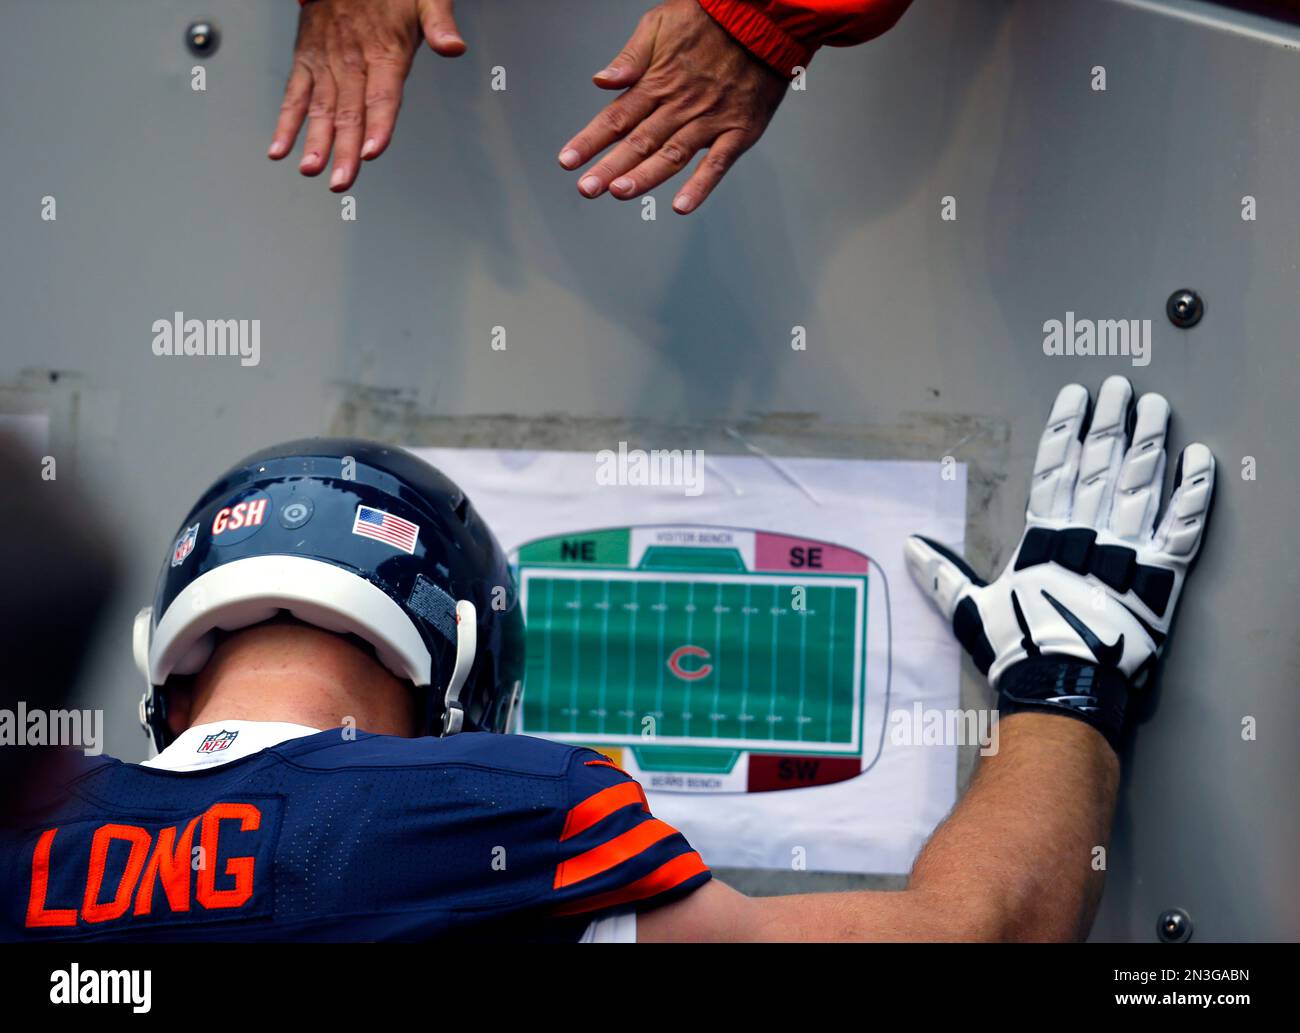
(185, 545)
(217, 741)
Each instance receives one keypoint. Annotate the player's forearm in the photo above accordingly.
(1018, 857)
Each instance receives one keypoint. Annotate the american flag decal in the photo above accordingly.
(384, 527)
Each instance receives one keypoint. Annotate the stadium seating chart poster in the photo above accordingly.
(746, 642)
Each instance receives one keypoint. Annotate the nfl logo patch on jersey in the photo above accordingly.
(185, 545)
(217, 741)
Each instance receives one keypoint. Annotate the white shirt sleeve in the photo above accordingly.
(615, 928)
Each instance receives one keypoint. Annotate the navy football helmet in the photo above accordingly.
(355, 538)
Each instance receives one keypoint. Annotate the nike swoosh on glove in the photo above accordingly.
(1081, 611)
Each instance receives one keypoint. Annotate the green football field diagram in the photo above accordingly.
(694, 648)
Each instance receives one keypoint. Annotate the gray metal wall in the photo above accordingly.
(924, 336)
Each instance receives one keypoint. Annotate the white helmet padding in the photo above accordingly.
(253, 590)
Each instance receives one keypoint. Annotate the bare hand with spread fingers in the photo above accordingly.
(350, 62)
(689, 87)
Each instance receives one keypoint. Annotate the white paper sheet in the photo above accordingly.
(875, 822)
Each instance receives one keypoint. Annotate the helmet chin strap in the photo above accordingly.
(453, 713)
(153, 706)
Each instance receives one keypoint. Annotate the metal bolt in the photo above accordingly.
(202, 37)
(1185, 308)
(1174, 926)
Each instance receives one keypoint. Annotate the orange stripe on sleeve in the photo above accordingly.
(619, 849)
(605, 763)
(667, 876)
(602, 805)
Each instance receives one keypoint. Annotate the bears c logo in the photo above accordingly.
(692, 674)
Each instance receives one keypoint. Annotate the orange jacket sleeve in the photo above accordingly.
(786, 33)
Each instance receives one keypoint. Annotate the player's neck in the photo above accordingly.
(300, 675)
(280, 699)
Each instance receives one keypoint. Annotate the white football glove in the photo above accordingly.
(1082, 609)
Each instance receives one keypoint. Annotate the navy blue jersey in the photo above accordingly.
(328, 838)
